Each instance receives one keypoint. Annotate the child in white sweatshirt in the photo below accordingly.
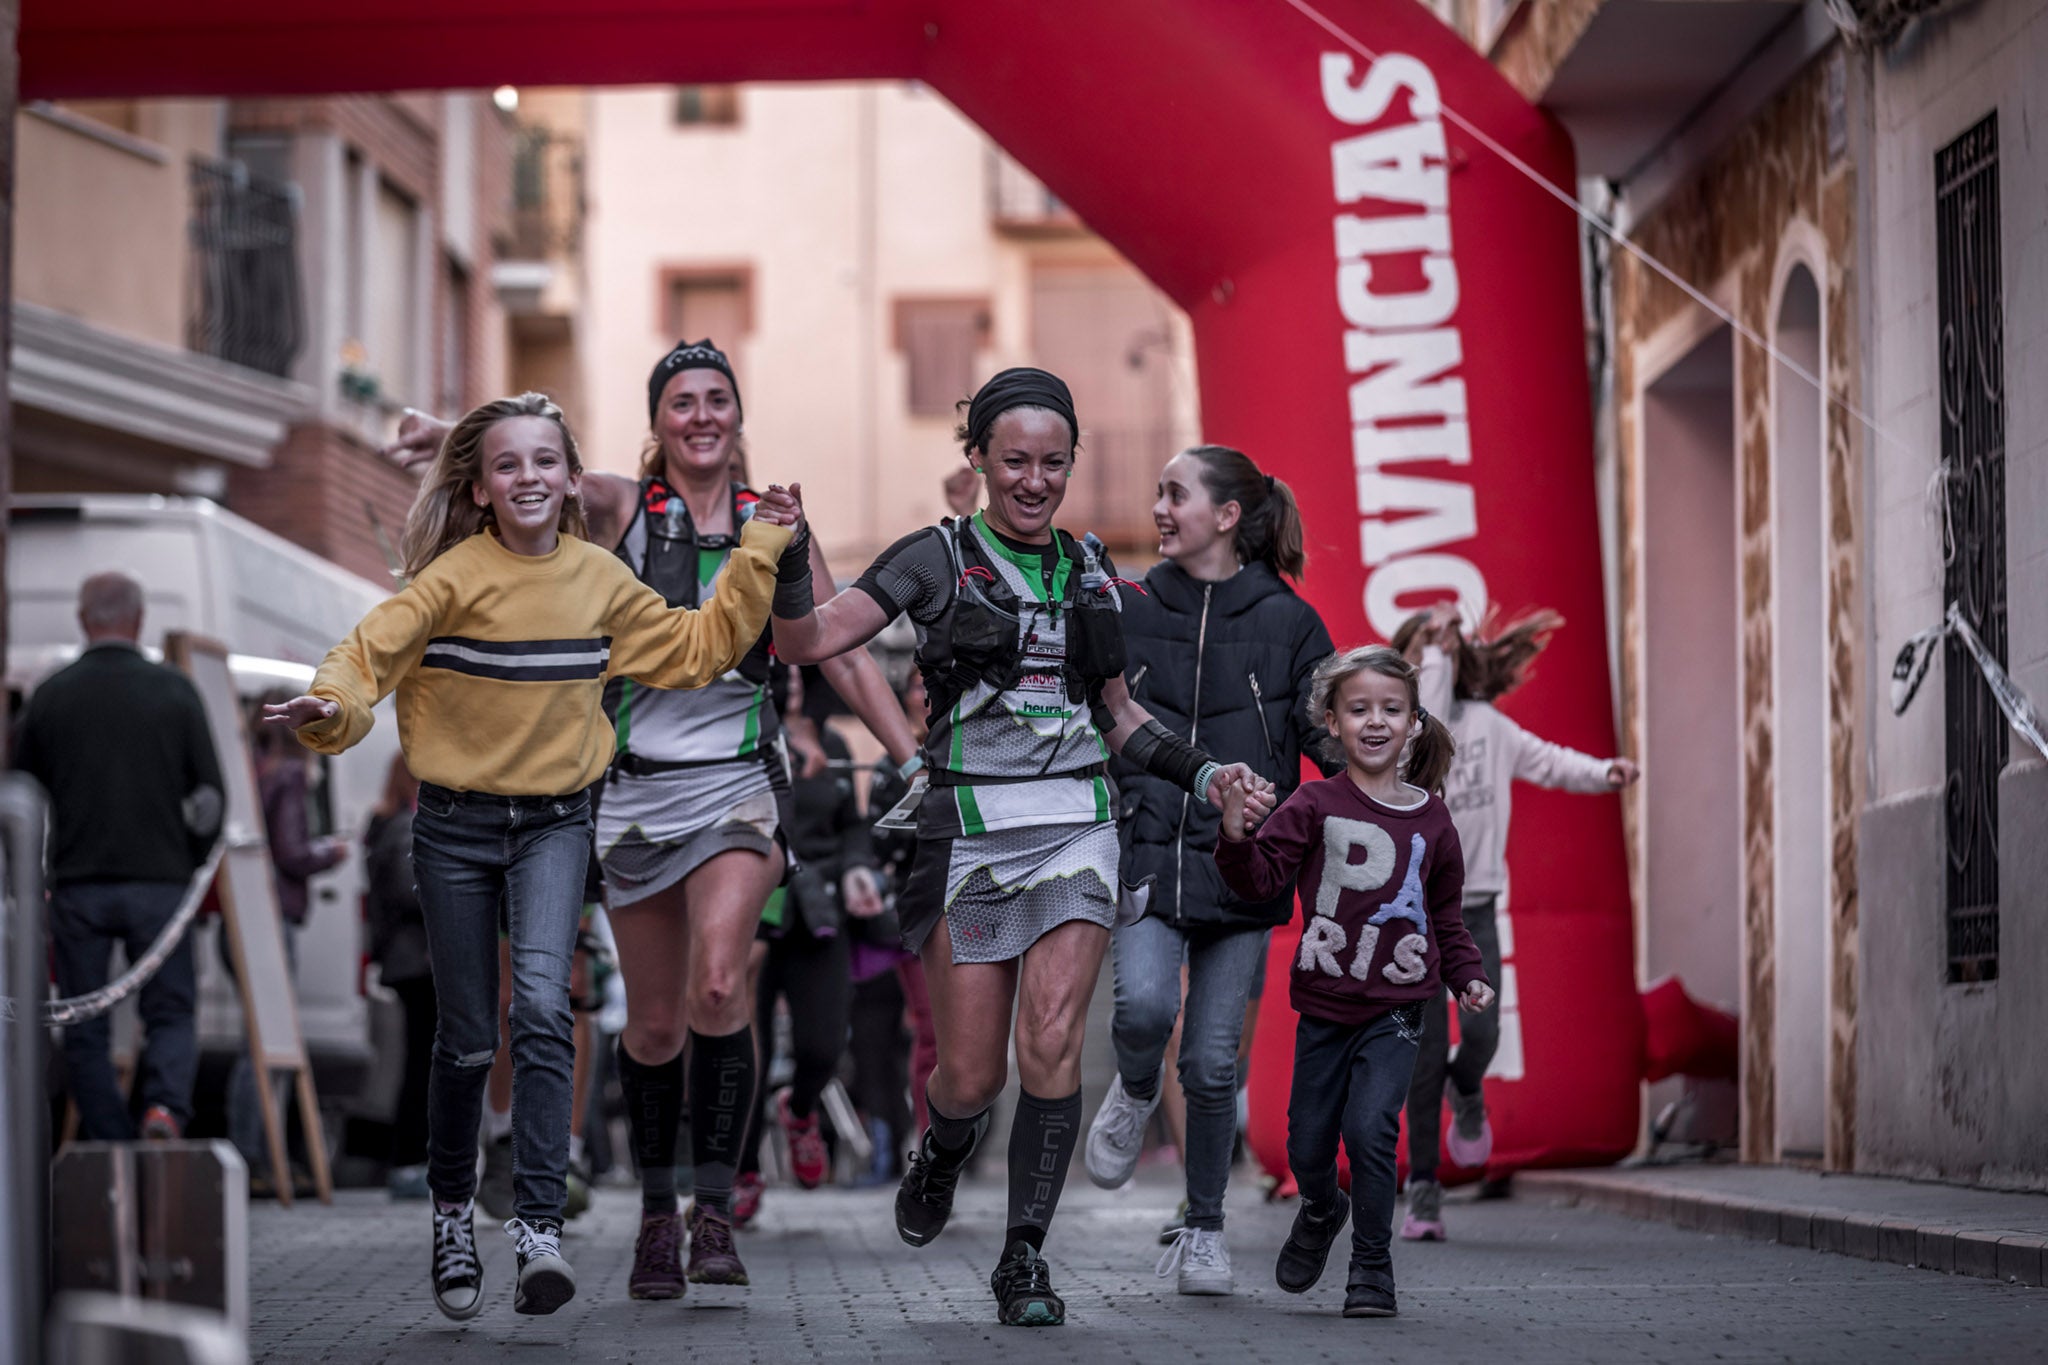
(1460, 680)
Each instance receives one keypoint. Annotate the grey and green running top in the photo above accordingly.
(725, 730)
(1006, 735)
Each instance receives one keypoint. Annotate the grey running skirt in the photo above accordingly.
(635, 868)
(1000, 892)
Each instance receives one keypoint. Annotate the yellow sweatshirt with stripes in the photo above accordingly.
(500, 659)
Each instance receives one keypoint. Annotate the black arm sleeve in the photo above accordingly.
(1162, 753)
(914, 575)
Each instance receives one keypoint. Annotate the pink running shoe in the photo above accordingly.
(747, 1189)
(1425, 1220)
(1470, 1141)
(809, 1161)
(658, 1258)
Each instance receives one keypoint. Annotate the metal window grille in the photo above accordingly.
(245, 304)
(1972, 360)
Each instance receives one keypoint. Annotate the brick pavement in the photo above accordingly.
(1523, 1281)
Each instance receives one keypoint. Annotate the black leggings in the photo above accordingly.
(409, 1124)
(881, 1056)
(813, 975)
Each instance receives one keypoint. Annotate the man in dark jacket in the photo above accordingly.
(122, 746)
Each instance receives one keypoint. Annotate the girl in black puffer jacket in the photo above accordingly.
(1220, 650)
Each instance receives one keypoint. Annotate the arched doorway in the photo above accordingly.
(1800, 725)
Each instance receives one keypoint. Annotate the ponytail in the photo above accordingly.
(1269, 521)
(1430, 752)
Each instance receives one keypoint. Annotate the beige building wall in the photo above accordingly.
(99, 225)
(834, 203)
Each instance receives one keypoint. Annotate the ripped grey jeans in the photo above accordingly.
(474, 853)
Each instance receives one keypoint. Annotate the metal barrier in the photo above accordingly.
(24, 1116)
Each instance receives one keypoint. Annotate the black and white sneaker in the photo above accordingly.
(545, 1280)
(924, 1201)
(458, 1274)
(1023, 1287)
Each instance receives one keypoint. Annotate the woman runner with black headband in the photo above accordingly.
(689, 824)
(1014, 884)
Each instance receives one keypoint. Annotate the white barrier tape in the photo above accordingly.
(1910, 669)
(79, 1008)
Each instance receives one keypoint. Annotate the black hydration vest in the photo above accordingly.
(978, 637)
(669, 560)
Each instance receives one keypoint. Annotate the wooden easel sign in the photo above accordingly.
(252, 921)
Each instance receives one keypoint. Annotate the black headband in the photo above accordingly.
(1019, 388)
(689, 355)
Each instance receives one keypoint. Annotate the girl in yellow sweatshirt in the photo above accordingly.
(499, 649)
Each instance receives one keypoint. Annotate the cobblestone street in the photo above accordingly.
(1522, 1281)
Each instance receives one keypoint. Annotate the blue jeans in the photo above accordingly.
(472, 854)
(1350, 1081)
(86, 920)
(1221, 964)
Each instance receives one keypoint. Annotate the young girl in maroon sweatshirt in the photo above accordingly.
(1376, 859)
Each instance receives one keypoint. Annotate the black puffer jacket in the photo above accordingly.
(1248, 646)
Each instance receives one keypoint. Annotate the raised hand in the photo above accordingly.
(418, 440)
(300, 712)
(781, 506)
(1477, 996)
(862, 893)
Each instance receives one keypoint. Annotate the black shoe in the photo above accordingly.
(545, 1280)
(1369, 1301)
(1023, 1287)
(924, 1201)
(457, 1273)
(1307, 1246)
(1497, 1187)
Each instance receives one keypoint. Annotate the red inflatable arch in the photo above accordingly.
(1386, 315)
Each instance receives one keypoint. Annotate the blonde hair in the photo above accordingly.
(445, 513)
(1430, 748)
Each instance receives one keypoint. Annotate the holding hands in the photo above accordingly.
(781, 506)
(1245, 798)
(300, 712)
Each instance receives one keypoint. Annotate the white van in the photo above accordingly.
(278, 608)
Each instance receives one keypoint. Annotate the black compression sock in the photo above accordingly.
(954, 1140)
(1024, 1232)
(1042, 1137)
(721, 1087)
(654, 1113)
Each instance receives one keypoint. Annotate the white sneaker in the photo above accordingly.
(1202, 1260)
(1117, 1135)
(545, 1280)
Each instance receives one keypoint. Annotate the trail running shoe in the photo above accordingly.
(1470, 1141)
(1170, 1229)
(712, 1257)
(658, 1258)
(747, 1189)
(924, 1201)
(1308, 1244)
(576, 1191)
(458, 1274)
(1425, 1220)
(545, 1280)
(494, 1186)
(1023, 1287)
(1363, 1300)
(809, 1161)
(1118, 1135)
(1202, 1260)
